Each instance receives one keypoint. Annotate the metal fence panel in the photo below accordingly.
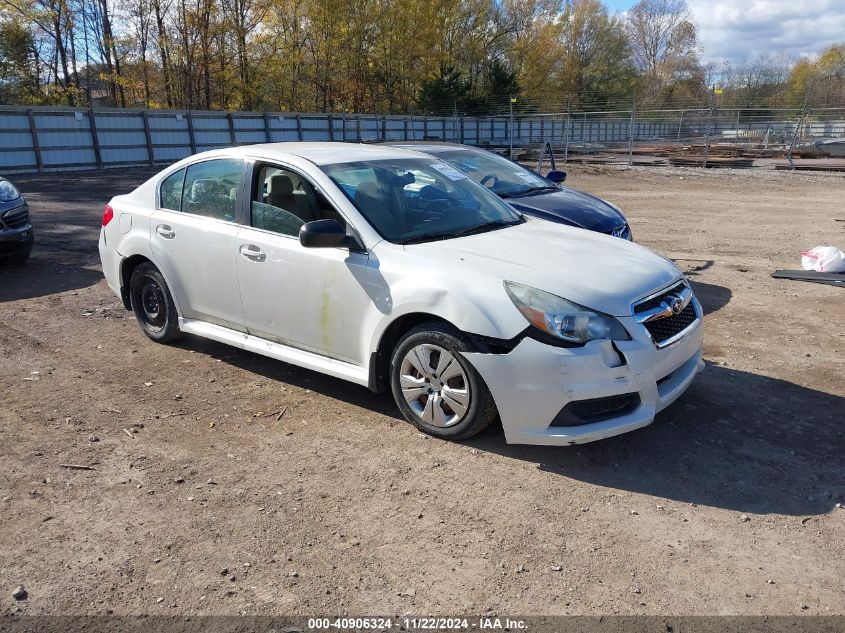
(45, 138)
(18, 161)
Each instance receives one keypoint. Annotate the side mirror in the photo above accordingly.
(323, 234)
(556, 176)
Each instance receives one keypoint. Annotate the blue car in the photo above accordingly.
(16, 236)
(529, 192)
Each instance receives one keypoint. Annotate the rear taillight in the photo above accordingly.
(108, 214)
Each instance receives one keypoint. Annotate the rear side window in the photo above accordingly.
(211, 188)
(170, 194)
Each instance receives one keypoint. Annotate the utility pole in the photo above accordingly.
(797, 130)
(567, 129)
(680, 125)
(454, 120)
(511, 100)
(631, 131)
(709, 125)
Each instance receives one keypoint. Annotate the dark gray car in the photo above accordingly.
(16, 235)
(527, 191)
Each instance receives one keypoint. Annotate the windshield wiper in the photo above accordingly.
(424, 237)
(477, 228)
(535, 190)
(486, 226)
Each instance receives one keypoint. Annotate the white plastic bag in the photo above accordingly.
(824, 259)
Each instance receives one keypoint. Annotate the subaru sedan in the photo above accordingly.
(393, 270)
(529, 192)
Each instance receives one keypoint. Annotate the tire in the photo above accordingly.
(426, 398)
(152, 304)
(19, 258)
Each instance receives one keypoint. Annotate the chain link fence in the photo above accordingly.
(775, 138)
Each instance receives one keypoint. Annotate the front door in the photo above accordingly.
(310, 298)
(192, 233)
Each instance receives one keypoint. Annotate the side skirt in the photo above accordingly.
(292, 355)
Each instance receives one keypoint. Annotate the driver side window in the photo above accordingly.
(283, 200)
(211, 188)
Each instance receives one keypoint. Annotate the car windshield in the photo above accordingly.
(502, 176)
(411, 200)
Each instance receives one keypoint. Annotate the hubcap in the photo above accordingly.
(434, 385)
(153, 303)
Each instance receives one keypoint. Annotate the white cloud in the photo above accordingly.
(742, 30)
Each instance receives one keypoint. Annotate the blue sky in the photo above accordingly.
(742, 30)
(619, 5)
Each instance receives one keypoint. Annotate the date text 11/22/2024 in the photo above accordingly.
(416, 624)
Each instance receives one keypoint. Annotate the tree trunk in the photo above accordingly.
(162, 49)
(61, 52)
(107, 52)
(69, 26)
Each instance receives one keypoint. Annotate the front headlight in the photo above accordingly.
(8, 191)
(564, 319)
(628, 234)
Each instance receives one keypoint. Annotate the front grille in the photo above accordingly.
(663, 329)
(16, 218)
(581, 412)
(655, 301)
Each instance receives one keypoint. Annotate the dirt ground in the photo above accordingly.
(205, 500)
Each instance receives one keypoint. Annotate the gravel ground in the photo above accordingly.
(226, 483)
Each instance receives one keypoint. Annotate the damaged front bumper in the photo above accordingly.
(624, 383)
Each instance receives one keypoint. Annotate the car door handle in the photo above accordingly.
(251, 251)
(165, 231)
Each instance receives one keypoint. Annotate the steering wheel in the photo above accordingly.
(492, 177)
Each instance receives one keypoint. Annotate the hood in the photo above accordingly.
(572, 207)
(597, 271)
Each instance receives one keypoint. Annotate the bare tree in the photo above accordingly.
(159, 11)
(140, 18)
(663, 41)
(244, 16)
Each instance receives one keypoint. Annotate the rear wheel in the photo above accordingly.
(436, 388)
(153, 304)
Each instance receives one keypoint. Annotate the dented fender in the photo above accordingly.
(474, 304)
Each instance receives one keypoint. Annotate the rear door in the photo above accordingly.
(193, 237)
(310, 298)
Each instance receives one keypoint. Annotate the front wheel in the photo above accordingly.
(436, 388)
(153, 304)
(19, 258)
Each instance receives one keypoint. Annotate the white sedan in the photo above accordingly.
(392, 269)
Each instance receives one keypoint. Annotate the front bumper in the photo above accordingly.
(13, 241)
(16, 234)
(533, 382)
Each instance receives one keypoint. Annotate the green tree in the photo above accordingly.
(447, 94)
(820, 82)
(19, 81)
(596, 64)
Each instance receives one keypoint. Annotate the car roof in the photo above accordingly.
(319, 153)
(431, 146)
